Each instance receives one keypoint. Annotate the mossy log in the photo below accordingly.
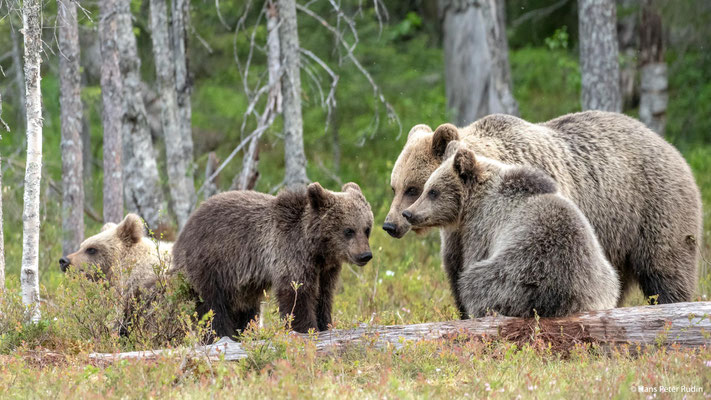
(682, 324)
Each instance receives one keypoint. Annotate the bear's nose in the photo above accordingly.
(63, 263)
(363, 258)
(408, 215)
(390, 228)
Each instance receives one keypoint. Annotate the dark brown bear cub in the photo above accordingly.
(239, 244)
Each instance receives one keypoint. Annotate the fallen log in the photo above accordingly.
(684, 324)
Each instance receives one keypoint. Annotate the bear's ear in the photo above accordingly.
(444, 134)
(465, 165)
(452, 148)
(351, 186)
(421, 128)
(130, 230)
(319, 198)
(107, 226)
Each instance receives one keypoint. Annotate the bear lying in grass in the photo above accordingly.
(526, 248)
(123, 255)
(238, 244)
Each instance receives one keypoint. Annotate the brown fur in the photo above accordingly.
(239, 244)
(635, 189)
(528, 247)
(123, 254)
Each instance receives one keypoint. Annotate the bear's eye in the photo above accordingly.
(367, 232)
(412, 191)
(91, 251)
(349, 233)
(433, 194)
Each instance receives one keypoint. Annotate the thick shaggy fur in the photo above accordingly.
(123, 254)
(635, 189)
(239, 244)
(528, 249)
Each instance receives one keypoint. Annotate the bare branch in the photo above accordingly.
(219, 15)
(2, 121)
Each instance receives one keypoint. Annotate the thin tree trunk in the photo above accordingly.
(682, 324)
(247, 179)
(182, 187)
(294, 156)
(653, 98)
(19, 76)
(627, 41)
(2, 237)
(599, 67)
(183, 83)
(478, 77)
(142, 189)
(30, 216)
(210, 168)
(111, 92)
(71, 117)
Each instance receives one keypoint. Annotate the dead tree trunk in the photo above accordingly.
(478, 76)
(71, 117)
(600, 71)
(31, 10)
(683, 324)
(142, 189)
(210, 188)
(627, 41)
(653, 97)
(183, 83)
(182, 187)
(294, 156)
(247, 179)
(111, 93)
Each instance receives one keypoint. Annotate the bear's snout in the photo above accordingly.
(408, 216)
(64, 264)
(363, 258)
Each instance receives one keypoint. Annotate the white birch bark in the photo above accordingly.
(478, 77)
(181, 18)
(599, 67)
(142, 189)
(182, 187)
(112, 95)
(71, 117)
(247, 179)
(294, 156)
(29, 276)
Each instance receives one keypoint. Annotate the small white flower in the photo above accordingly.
(487, 387)
(389, 273)
(706, 363)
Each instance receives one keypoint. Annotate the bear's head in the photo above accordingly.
(109, 248)
(422, 154)
(342, 222)
(459, 176)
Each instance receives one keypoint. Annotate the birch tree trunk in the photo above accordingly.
(247, 179)
(478, 75)
(183, 82)
(182, 187)
(294, 156)
(210, 168)
(599, 67)
(2, 237)
(71, 117)
(653, 98)
(142, 189)
(111, 93)
(33, 104)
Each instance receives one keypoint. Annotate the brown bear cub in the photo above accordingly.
(238, 244)
(525, 247)
(123, 255)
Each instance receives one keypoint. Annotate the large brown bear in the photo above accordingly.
(635, 189)
(123, 254)
(529, 249)
(238, 244)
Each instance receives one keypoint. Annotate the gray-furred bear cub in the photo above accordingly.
(240, 243)
(525, 247)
